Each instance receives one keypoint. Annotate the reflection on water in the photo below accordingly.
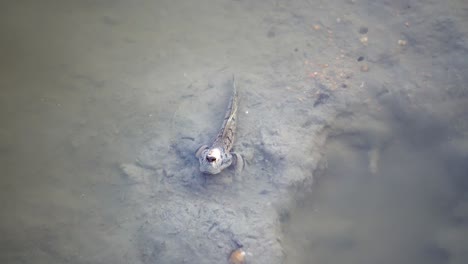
(401, 201)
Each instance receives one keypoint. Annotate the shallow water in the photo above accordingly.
(403, 201)
(103, 103)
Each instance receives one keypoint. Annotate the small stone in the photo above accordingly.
(131, 171)
(316, 27)
(363, 30)
(237, 257)
(364, 68)
(364, 40)
(360, 58)
(402, 42)
(321, 99)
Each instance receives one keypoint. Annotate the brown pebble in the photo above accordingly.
(237, 256)
(316, 27)
(364, 68)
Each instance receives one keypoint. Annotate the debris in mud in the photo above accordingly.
(237, 256)
(313, 74)
(364, 68)
(363, 30)
(364, 40)
(130, 170)
(321, 99)
(402, 42)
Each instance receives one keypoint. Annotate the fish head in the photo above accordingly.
(214, 160)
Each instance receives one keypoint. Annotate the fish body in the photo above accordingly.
(215, 158)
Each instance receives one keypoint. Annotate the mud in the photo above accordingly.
(105, 103)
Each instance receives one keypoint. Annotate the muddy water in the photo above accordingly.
(85, 86)
(104, 102)
(395, 191)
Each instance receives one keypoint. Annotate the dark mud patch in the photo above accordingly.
(395, 190)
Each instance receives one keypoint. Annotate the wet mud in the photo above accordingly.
(105, 104)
